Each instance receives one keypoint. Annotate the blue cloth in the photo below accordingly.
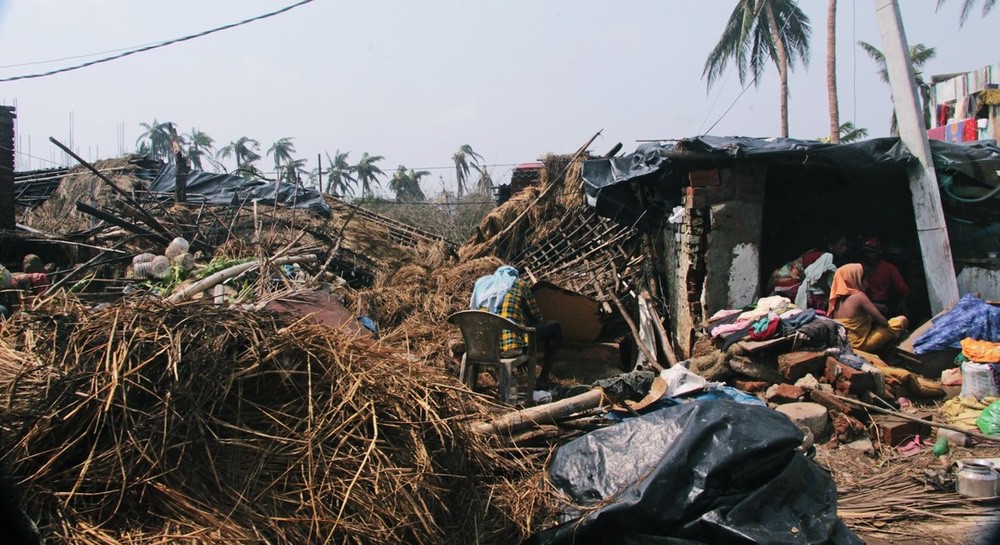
(970, 317)
(489, 290)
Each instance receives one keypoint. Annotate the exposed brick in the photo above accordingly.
(694, 202)
(702, 178)
(846, 428)
(893, 431)
(795, 365)
(847, 380)
(750, 386)
(827, 400)
(785, 393)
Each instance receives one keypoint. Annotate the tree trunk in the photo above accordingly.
(831, 70)
(782, 67)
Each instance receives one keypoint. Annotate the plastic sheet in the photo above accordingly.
(654, 163)
(228, 189)
(700, 472)
(970, 317)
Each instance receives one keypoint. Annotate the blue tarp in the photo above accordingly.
(970, 317)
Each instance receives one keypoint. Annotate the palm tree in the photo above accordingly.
(368, 172)
(461, 158)
(967, 6)
(339, 176)
(919, 55)
(406, 184)
(199, 145)
(759, 31)
(281, 151)
(157, 137)
(850, 133)
(485, 183)
(831, 70)
(293, 171)
(245, 151)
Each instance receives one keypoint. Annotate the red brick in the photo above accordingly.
(893, 431)
(827, 400)
(751, 386)
(846, 428)
(785, 393)
(702, 178)
(795, 365)
(847, 380)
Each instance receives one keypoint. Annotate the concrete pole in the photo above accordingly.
(935, 249)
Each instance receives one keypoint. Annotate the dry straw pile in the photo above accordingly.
(202, 424)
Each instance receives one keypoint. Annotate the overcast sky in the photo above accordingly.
(413, 81)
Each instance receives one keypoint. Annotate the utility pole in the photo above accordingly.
(942, 289)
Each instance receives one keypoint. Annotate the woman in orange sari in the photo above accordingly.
(867, 329)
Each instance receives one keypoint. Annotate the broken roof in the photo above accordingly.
(977, 163)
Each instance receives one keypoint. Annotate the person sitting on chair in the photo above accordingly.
(506, 295)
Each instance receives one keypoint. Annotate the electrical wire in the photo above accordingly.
(157, 45)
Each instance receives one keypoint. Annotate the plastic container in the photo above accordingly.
(176, 247)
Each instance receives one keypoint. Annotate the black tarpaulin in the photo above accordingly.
(701, 472)
(228, 189)
(604, 178)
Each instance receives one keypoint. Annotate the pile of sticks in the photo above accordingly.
(196, 423)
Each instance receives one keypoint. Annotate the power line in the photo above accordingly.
(157, 45)
(73, 57)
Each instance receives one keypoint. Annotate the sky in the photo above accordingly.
(413, 81)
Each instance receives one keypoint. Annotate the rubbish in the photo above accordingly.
(989, 421)
(955, 437)
(176, 247)
(680, 381)
(699, 472)
(941, 446)
(910, 448)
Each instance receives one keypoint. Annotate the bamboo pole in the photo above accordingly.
(905, 416)
(541, 414)
(232, 272)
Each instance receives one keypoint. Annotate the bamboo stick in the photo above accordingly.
(232, 272)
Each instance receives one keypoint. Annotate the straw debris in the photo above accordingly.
(203, 424)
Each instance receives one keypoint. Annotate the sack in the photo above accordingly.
(977, 380)
(989, 420)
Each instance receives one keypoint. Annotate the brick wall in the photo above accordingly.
(723, 209)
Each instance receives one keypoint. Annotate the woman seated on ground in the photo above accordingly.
(787, 279)
(867, 329)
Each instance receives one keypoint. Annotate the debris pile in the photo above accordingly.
(218, 424)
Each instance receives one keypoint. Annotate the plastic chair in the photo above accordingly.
(482, 332)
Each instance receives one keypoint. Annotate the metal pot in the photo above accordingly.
(978, 479)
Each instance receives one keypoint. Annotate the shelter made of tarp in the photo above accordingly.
(228, 189)
(976, 164)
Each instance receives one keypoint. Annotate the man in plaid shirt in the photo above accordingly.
(518, 304)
